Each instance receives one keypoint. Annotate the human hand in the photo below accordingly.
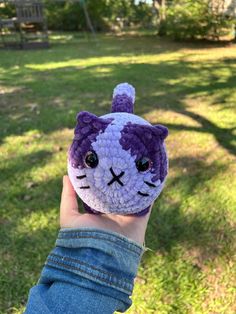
(132, 227)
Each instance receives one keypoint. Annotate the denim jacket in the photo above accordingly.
(90, 271)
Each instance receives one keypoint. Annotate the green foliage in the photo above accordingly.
(64, 16)
(190, 19)
(104, 14)
(7, 11)
(185, 19)
(143, 15)
(190, 87)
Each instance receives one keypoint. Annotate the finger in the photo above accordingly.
(69, 205)
(147, 216)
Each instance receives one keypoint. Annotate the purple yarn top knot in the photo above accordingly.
(122, 103)
(123, 98)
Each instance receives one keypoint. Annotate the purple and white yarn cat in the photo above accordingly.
(118, 163)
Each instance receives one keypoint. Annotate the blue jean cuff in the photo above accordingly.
(103, 257)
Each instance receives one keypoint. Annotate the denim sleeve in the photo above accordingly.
(90, 271)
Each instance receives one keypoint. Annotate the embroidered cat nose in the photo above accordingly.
(116, 178)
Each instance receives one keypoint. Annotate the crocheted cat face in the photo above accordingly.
(118, 163)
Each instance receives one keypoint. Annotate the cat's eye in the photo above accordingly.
(143, 164)
(91, 159)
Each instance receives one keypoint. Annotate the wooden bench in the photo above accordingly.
(29, 22)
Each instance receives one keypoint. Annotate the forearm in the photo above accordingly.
(89, 271)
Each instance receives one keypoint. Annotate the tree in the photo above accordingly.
(160, 6)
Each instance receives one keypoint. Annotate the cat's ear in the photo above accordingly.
(85, 117)
(161, 130)
(89, 123)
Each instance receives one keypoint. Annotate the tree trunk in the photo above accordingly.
(160, 6)
(87, 17)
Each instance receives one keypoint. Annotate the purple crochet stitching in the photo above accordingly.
(122, 103)
(147, 141)
(86, 131)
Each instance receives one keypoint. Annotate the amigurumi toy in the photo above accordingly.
(117, 163)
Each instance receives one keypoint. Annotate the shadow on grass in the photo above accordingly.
(61, 93)
(224, 136)
(75, 47)
(27, 237)
(22, 258)
(19, 165)
(172, 224)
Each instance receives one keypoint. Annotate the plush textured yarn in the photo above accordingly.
(122, 103)
(143, 140)
(86, 131)
(119, 140)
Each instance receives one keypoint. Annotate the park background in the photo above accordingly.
(181, 58)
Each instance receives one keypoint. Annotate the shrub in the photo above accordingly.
(196, 19)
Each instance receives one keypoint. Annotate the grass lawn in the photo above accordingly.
(191, 88)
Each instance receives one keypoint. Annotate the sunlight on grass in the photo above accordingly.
(210, 54)
(161, 116)
(36, 221)
(26, 143)
(61, 37)
(17, 311)
(49, 171)
(143, 58)
(151, 290)
(103, 60)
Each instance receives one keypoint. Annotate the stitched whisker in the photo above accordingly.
(85, 187)
(81, 177)
(150, 184)
(143, 194)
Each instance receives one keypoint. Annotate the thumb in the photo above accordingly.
(69, 204)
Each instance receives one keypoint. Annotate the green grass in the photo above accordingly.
(189, 267)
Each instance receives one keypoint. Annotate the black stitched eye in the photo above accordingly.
(91, 159)
(143, 164)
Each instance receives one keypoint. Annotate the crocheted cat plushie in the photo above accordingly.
(117, 163)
